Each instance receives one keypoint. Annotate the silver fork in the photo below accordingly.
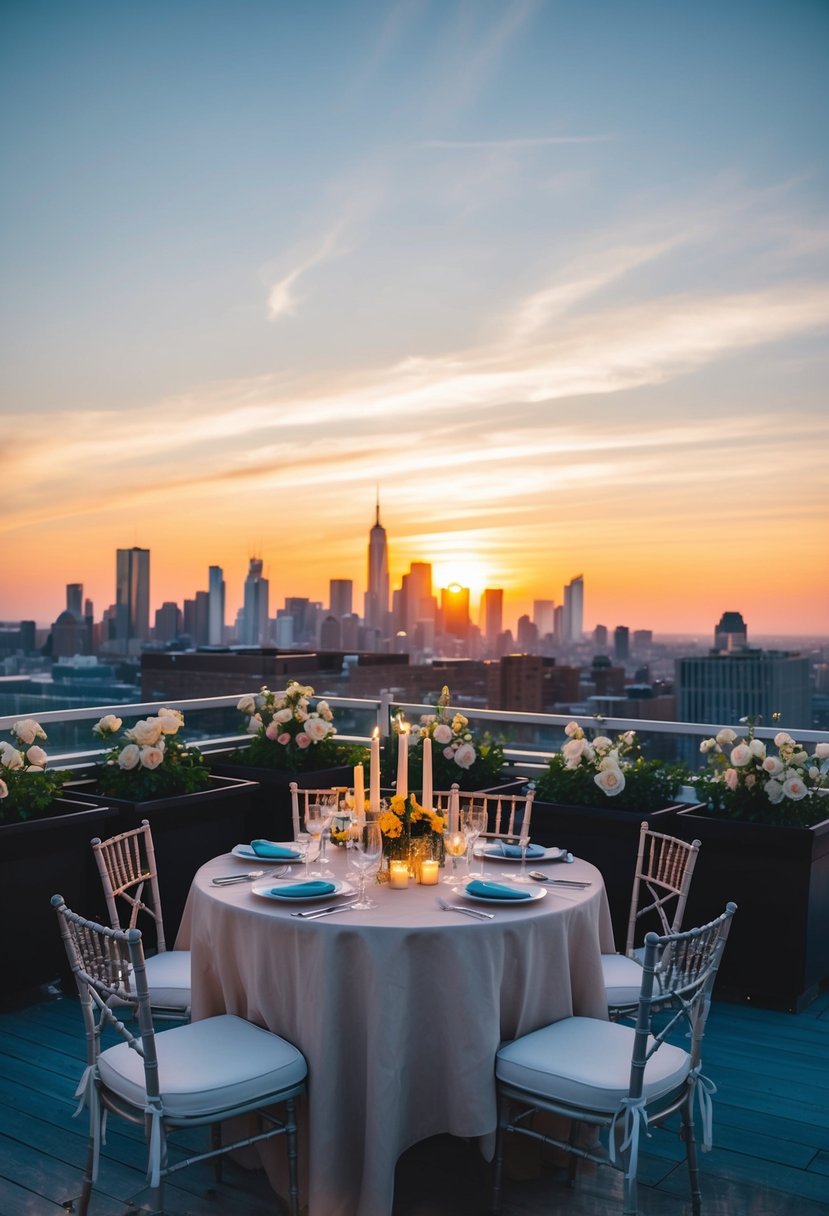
(478, 913)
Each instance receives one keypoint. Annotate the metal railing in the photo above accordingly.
(528, 739)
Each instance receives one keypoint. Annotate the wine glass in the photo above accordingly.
(523, 841)
(327, 806)
(474, 820)
(456, 844)
(313, 826)
(364, 857)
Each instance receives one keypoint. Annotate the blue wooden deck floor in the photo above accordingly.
(770, 1156)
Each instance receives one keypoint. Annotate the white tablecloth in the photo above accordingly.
(399, 1011)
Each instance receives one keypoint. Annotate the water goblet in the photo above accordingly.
(523, 841)
(456, 845)
(364, 857)
(474, 820)
(313, 826)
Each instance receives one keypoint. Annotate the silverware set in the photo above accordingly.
(318, 913)
(477, 913)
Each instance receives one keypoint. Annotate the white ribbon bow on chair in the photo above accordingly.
(634, 1122)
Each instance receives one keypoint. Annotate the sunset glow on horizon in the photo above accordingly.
(561, 298)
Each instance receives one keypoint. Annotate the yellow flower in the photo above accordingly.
(398, 804)
(390, 824)
(437, 821)
(335, 835)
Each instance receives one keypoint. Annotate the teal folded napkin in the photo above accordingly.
(501, 849)
(304, 890)
(494, 890)
(265, 848)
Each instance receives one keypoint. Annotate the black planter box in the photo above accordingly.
(188, 830)
(271, 802)
(38, 859)
(607, 838)
(778, 948)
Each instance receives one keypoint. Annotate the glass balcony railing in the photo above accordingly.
(213, 723)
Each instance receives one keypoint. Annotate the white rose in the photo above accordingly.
(725, 736)
(611, 780)
(168, 716)
(151, 757)
(774, 791)
(36, 756)
(602, 743)
(246, 704)
(465, 756)
(707, 745)
(146, 732)
(283, 715)
(27, 730)
(573, 731)
(573, 750)
(108, 725)
(10, 757)
(794, 788)
(822, 751)
(253, 725)
(316, 729)
(130, 757)
(773, 765)
(740, 755)
(758, 748)
(442, 735)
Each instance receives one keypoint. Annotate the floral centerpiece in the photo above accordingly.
(460, 755)
(289, 731)
(745, 780)
(148, 760)
(408, 828)
(26, 788)
(588, 772)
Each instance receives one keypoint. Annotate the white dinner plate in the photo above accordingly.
(532, 858)
(274, 889)
(245, 853)
(533, 892)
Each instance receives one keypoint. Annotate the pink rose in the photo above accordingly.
(448, 753)
(272, 732)
(151, 757)
(36, 755)
(731, 778)
(4, 790)
(303, 740)
(284, 738)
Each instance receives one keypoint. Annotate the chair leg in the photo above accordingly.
(86, 1191)
(290, 1132)
(216, 1143)
(689, 1136)
(630, 1186)
(498, 1161)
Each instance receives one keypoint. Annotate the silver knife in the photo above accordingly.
(314, 913)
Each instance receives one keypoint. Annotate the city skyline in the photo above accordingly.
(562, 297)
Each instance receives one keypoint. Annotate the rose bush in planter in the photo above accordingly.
(293, 738)
(148, 772)
(764, 827)
(592, 798)
(44, 849)
(460, 755)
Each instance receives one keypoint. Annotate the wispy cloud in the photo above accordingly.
(282, 297)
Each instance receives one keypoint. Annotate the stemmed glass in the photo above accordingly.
(327, 807)
(364, 857)
(523, 841)
(474, 821)
(314, 828)
(456, 844)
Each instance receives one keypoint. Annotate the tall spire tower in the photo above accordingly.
(377, 596)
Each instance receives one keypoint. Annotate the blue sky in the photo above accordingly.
(532, 267)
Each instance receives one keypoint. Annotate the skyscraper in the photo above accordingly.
(215, 606)
(731, 633)
(132, 594)
(573, 622)
(255, 625)
(544, 616)
(454, 608)
(74, 598)
(492, 615)
(340, 597)
(377, 596)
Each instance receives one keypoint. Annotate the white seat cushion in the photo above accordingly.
(168, 979)
(203, 1067)
(622, 979)
(585, 1062)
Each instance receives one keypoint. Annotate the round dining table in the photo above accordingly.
(399, 1010)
